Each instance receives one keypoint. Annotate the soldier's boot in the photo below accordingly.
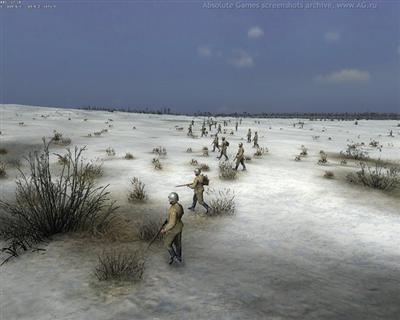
(193, 205)
(207, 207)
(173, 256)
(178, 251)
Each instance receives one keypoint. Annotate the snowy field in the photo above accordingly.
(299, 246)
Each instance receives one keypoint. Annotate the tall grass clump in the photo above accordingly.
(226, 170)
(120, 265)
(45, 206)
(222, 202)
(137, 193)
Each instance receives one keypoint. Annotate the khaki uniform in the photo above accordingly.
(198, 189)
(240, 158)
(174, 228)
(249, 136)
(224, 147)
(215, 144)
(255, 139)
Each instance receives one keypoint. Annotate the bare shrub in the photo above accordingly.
(45, 206)
(329, 175)
(148, 228)
(194, 162)
(205, 151)
(304, 151)
(129, 156)
(110, 152)
(157, 164)
(137, 192)
(92, 171)
(374, 143)
(260, 152)
(204, 167)
(62, 159)
(120, 265)
(377, 176)
(97, 133)
(297, 158)
(189, 150)
(226, 170)
(353, 151)
(247, 158)
(59, 140)
(323, 157)
(222, 202)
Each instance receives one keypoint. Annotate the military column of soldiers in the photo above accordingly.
(174, 226)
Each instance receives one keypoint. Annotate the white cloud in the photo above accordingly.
(345, 76)
(332, 36)
(241, 59)
(255, 32)
(204, 51)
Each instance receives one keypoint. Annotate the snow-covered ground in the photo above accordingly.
(299, 246)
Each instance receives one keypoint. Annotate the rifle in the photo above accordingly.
(183, 185)
(157, 234)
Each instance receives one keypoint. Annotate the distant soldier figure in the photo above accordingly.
(215, 143)
(203, 131)
(190, 131)
(198, 187)
(255, 140)
(173, 229)
(240, 157)
(215, 124)
(224, 147)
(192, 122)
(219, 128)
(236, 125)
(249, 136)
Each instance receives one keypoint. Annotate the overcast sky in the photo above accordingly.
(188, 57)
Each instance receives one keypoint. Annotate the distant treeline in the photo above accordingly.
(284, 115)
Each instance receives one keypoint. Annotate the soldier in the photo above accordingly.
(198, 187)
(173, 229)
(192, 122)
(203, 131)
(224, 146)
(236, 125)
(219, 128)
(240, 157)
(210, 125)
(255, 140)
(215, 143)
(190, 131)
(249, 136)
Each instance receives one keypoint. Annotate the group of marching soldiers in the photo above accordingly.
(173, 226)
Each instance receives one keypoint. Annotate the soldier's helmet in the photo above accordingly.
(173, 197)
(240, 144)
(197, 171)
(223, 138)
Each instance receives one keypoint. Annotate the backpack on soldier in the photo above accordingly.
(227, 144)
(205, 180)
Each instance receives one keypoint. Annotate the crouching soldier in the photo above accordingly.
(198, 187)
(173, 229)
(240, 157)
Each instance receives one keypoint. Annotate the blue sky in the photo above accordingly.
(190, 58)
